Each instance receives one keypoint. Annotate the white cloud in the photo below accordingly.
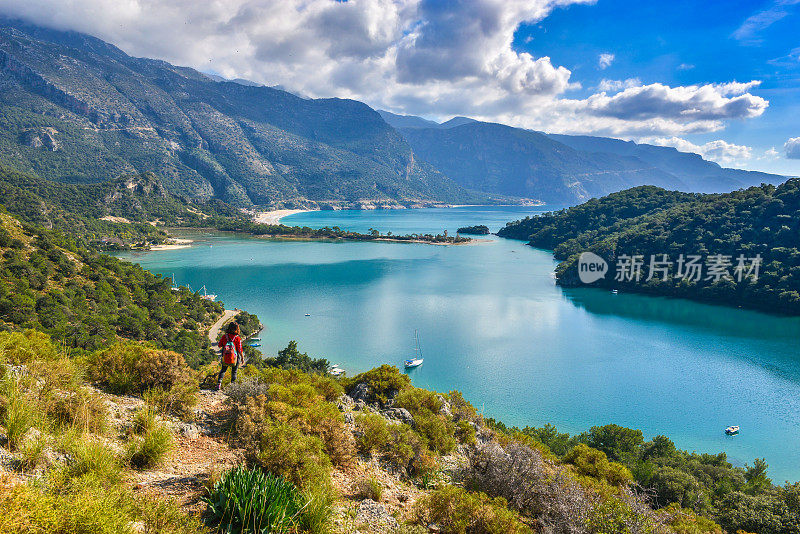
(792, 148)
(604, 61)
(719, 150)
(422, 57)
(756, 23)
(618, 85)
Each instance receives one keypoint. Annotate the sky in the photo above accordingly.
(718, 77)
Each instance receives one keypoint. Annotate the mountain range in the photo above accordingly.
(560, 169)
(78, 110)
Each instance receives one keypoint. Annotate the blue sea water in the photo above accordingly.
(494, 325)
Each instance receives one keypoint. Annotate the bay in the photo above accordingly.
(494, 325)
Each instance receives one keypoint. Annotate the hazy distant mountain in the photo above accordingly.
(406, 121)
(412, 121)
(699, 174)
(76, 109)
(511, 161)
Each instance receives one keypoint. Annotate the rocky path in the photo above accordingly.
(201, 451)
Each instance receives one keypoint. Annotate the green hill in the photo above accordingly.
(647, 221)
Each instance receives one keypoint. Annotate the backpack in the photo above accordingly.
(229, 353)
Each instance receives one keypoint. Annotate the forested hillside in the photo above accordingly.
(76, 109)
(721, 234)
(87, 300)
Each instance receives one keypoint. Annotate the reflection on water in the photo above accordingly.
(493, 324)
(719, 319)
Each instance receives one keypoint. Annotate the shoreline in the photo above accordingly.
(274, 217)
(174, 244)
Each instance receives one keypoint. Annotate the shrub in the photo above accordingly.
(283, 449)
(293, 399)
(374, 432)
(177, 400)
(594, 463)
(370, 488)
(81, 409)
(151, 441)
(437, 429)
(90, 457)
(383, 382)
(457, 511)
(250, 501)
(316, 516)
(130, 367)
(531, 485)
(21, 347)
(18, 413)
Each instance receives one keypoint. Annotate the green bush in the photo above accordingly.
(177, 400)
(383, 382)
(89, 457)
(251, 501)
(437, 430)
(18, 413)
(457, 511)
(374, 432)
(130, 367)
(594, 463)
(283, 449)
(21, 347)
(297, 400)
(150, 442)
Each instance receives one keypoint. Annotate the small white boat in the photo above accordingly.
(335, 370)
(614, 291)
(417, 360)
(308, 315)
(732, 430)
(174, 287)
(206, 295)
(254, 339)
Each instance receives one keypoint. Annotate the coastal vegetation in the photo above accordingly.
(755, 226)
(480, 229)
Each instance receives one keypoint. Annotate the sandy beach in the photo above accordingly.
(274, 216)
(174, 244)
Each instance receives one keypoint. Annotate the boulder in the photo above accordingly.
(399, 414)
(360, 392)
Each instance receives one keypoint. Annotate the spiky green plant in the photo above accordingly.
(253, 502)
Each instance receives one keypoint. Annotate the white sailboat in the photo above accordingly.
(174, 286)
(206, 295)
(417, 360)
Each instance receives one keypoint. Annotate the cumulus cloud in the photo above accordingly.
(711, 102)
(719, 150)
(605, 60)
(792, 148)
(424, 57)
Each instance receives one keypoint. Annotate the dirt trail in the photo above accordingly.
(201, 449)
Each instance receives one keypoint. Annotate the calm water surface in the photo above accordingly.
(494, 325)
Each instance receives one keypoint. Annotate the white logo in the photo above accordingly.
(591, 267)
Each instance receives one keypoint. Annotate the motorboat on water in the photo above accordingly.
(732, 430)
(417, 360)
(308, 315)
(335, 370)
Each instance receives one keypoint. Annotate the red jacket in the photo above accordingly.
(237, 342)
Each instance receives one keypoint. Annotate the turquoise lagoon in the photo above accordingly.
(494, 325)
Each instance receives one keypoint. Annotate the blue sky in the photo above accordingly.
(719, 78)
(684, 43)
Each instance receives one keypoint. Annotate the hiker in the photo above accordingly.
(232, 354)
